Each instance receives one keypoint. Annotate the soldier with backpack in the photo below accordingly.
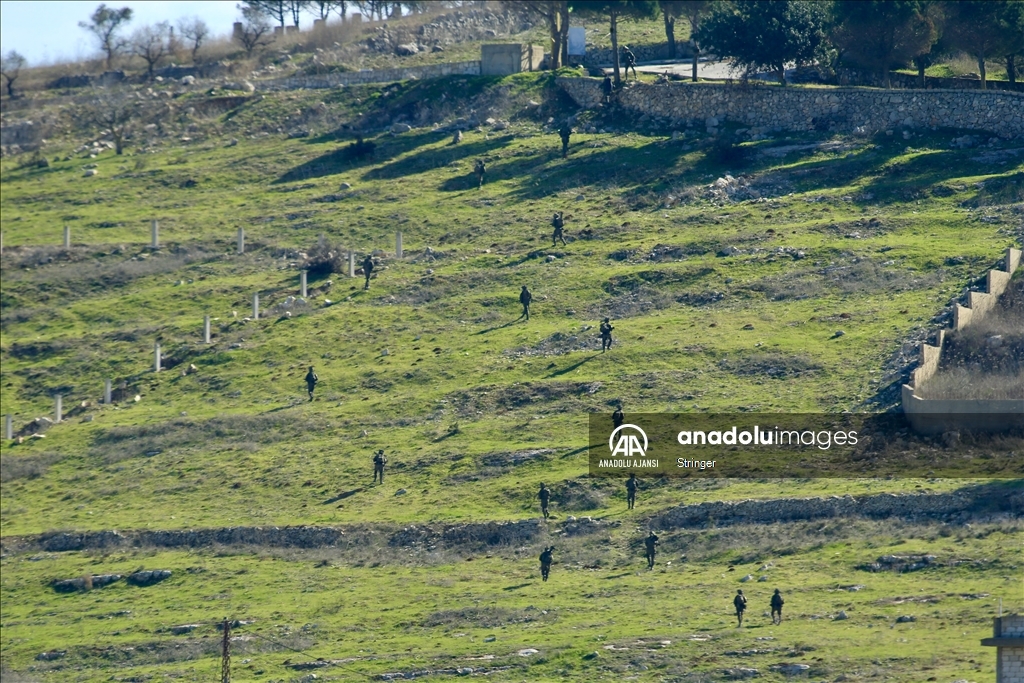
(777, 603)
(650, 543)
(545, 495)
(311, 380)
(379, 460)
(740, 603)
(545, 562)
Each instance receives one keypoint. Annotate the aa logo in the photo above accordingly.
(627, 444)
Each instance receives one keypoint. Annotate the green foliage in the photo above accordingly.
(105, 23)
(884, 34)
(985, 29)
(766, 34)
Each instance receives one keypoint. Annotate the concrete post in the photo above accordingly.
(206, 329)
(241, 240)
(351, 264)
(320, 241)
(255, 306)
(154, 229)
(156, 356)
(9, 426)
(106, 392)
(398, 244)
(67, 236)
(302, 284)
(58, 408)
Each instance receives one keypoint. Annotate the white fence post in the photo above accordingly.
(67, 236)
(255, 306)
(156, 356)
(351, 263)
(241, 240)
(106, 392)
(58, 407)
(398, 244)
(154, 229)
(9, 426)
(302, 283)
(206, 329)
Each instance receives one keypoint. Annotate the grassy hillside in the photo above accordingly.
(869, 236)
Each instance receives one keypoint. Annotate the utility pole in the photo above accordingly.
(225, 657)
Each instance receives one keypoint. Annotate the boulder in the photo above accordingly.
(407, 50)
(398, 128)
(149, 577)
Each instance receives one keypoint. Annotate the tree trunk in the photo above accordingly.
(563, 37)
(555, 32)
(782, 74)
(920, 75)
(887, 77)
(615, 47)
(670, 34)
(1011, 69)
(981, 71)
(118, 142)
(696, 57)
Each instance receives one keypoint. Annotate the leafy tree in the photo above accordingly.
(150, 43)
(10, 67)
(195, 31)
(556, 14)
(255, 29)
(883, 34)
(692, 11)
(614, 10)
(105, 23)
(986, 29)
(766, 34)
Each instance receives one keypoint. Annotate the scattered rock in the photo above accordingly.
(399, 128)
(748, 577)
(50, 656)
(526, 652)
(183, 629)
(738, 673)
(791, 669)
(400, 492)
(149, 577)
(90, 172)
(841, 616)
(838, 333)
(407, 50)
(905, 619)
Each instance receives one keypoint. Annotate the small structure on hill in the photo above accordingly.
(502, 59)
(1008, 639)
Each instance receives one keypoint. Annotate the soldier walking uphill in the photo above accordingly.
(606, 335)
(564, 132)
(651, 543)
(480, 169)
(558, 223)
(311, 380)
(367, 269)
(632, 484)
(525, 297)
(545, 562)
(379, 460)
(618, 417)
(740, 603)
(630, 59)
(777, 603)
(545, 495)
(606, 88)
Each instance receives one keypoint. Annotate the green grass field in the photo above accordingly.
(473, 406)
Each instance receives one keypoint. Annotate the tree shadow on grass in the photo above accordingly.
(436, 157)
(343, 158)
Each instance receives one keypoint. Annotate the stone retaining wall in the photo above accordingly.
(973, 503)
(935, 416)
(470, 68)
(771, 107)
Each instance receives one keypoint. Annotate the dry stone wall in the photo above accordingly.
(772, 108)
(468, 68)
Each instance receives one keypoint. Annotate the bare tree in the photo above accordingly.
(255, 29)
(323, 9)
(113, 112)
(275, 10)
(556, 14)
(10, 67)
(295, 8)
(150, 43)
(105, 23)
(195, 31)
